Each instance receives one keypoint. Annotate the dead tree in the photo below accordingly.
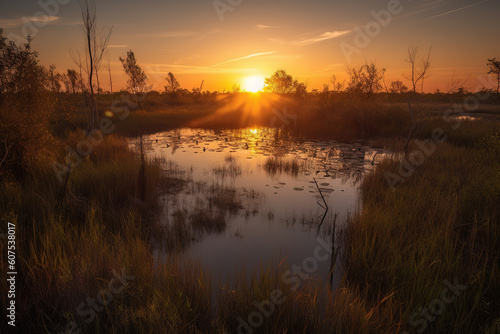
(110, 79)
(419, 71)
(95, 48)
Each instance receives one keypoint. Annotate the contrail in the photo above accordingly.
(458, 9)
(246, 57)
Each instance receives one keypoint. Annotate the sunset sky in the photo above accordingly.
(254, 38)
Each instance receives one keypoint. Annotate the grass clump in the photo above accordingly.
(441, 224)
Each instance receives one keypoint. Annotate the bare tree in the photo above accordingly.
(419, 72)
(100, 47)
(419, 69)
(365, 80)
(110, 79)
(77, 60)
(90, 26)
(95, 47)
(494, 65)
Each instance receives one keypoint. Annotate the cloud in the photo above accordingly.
(323, 37)
(262, 26)
(457, 10)
(13, 23)
(43, 18)
(246, 57)
(330, 68)
(163, 69)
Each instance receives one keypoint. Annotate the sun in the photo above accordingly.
(253, 84)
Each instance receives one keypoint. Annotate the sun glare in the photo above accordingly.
(253, 84)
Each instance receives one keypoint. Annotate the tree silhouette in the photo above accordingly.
(398, 87)
(54, 79)
(419, 71)
(280, 82)
(137, 77)
(494, 65)
(25, 110)
(172, 83)
(95, 48)
(365, 80)
(110, 79)
(73, 78)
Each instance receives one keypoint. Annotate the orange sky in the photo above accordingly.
(223, 44)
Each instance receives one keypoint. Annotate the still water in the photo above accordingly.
(255, 197)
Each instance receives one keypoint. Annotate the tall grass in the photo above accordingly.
(440, 224)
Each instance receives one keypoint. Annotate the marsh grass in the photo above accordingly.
(200, 209)
(440, 224)
(231, 168)
(280, 165)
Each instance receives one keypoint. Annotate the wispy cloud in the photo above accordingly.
(312, 40)
(330, 68)
(163, 69)
(13, 23)
(42, 19)
(425, 7)
(245, 57)
(182, 60)
(457, 10)
(263, 26)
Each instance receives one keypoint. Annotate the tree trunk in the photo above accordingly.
(498, 91)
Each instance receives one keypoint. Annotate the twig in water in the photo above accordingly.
(324, 207)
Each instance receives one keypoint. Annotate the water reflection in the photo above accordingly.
(257, 196)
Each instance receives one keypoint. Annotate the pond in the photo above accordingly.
(256, 197)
